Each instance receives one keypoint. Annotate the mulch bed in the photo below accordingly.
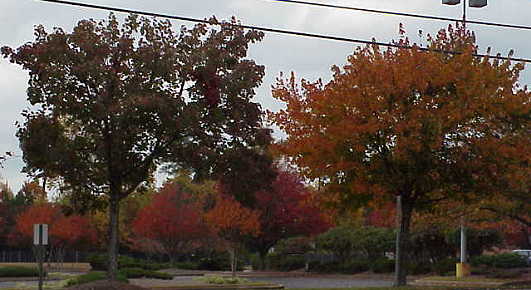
(106, 285)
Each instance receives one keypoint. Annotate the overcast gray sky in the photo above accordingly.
(309, 58)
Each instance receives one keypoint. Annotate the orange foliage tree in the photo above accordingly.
(64, 231)
(420, 125)
(232, 222)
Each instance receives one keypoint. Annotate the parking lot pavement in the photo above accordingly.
(321, 282)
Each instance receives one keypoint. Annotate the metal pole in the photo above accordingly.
(464, 15)
(40, 256)
(463, 243)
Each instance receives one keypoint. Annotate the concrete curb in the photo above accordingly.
(224, 287)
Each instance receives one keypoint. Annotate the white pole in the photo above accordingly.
(463, 243)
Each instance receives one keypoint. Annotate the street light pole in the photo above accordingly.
(464, 15)
(471, 3)
(462, 268)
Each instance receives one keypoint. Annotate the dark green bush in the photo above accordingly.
(217, 261)
(340, 241)
(132, 273)
(316, 266)
(418, 268)
(504, 275)
(354, 266)
(349, 267)
(295, 245)
(504, 261)
(480, 270)
(98, 262)
(17, 271)
(93, 276)
(477, 240)
(287, 262)
(158, 275)
(444, 266)
(186, 265)
(382, 265)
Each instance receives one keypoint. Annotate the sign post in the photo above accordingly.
(40, 240)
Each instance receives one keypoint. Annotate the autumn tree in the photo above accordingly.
(173, 219)
(113, 101)
(31, 192)
(64, 231)
(408, 124)
(232, 223)
(286, 210)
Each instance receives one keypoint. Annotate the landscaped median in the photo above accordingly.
(471, 281)
(205, 282)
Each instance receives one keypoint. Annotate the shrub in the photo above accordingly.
(295, 245)
(158, 275)
(444, 266)
(340, 241)
(132, 273)
(93, 276)
(217, 261)
(504, 261)
(287, 262)
(349, 267)
(382, 265)
(504, 275)
(17, 271)
(477, 240)
(418, 268)
(186, 265)
(354, 266)
(215, 279)
(98, 262)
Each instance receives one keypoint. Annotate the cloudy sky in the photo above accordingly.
(309, 58)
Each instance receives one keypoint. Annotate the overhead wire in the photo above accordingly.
(275, 30)
(405, 14)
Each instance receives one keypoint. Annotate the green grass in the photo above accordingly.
(465, 279)
(93, 276)
(216, 279)
(521, 286)
(18, 271)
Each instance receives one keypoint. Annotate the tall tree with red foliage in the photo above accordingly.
(173, 219)
(286, 210)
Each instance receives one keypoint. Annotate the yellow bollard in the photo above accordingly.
(462, 270)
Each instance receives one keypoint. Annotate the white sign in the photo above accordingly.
(40, 234)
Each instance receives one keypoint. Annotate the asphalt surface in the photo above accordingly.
(319, 282)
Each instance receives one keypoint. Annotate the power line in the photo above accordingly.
(274, 30)
(406, 14)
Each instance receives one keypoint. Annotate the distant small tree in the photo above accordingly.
(232, 223)
(286, 210)
(173, 219)
(31, 192)
(64, 231)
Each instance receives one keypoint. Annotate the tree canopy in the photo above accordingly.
(421, 125)
(111, 102)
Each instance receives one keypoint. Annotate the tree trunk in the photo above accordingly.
(233, 260)
(263, 255)
(402, 241)
(113, 237)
